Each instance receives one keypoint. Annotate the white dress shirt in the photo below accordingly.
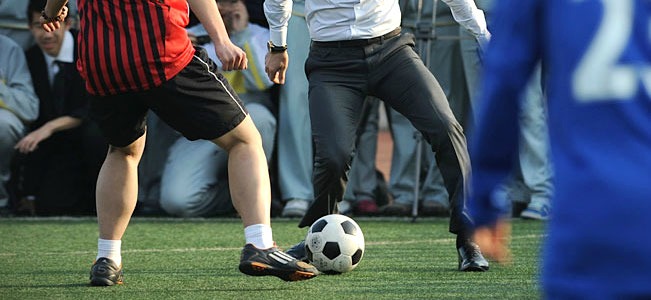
(466, 13)
(337, 20)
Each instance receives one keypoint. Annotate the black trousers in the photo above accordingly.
(62, 172)
(340, 77)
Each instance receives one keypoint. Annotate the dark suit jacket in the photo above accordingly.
(75, 102)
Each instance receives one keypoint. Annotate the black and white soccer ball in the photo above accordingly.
(334, 244)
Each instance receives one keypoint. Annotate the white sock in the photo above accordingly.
(110, 249)
(259, 235)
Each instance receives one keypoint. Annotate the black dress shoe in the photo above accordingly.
(298, 251)
(434, 209)
(396, 209)
(471, 259)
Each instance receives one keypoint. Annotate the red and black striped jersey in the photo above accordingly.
(132, 45)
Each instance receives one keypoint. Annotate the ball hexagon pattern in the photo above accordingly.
(335, 244)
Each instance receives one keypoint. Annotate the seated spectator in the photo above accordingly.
(195, 177)
(62, 153)
(14, 24)
(18, 107)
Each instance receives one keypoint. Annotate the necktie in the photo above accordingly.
(58, 89)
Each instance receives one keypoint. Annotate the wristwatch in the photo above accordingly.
(275, 49)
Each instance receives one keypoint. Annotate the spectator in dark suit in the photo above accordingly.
(61, 155)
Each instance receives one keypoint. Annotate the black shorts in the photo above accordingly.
(198, 102)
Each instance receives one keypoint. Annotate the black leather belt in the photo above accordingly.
(357, 43)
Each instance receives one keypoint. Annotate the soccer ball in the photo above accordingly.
(334, 244)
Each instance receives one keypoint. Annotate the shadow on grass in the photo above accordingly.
(61, 285)
(140, 287)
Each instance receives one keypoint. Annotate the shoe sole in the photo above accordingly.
(532, 216)
(101, 281)
(260, 269)
(474, 269)
(293, 213)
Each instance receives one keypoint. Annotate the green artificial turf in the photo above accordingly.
(198, 258)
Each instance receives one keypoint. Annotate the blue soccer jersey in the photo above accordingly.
(597, 65)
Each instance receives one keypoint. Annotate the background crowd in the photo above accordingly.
(51, 152)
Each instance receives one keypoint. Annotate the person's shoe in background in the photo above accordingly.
(434, 209)
(366, 207)
(295, 208)
(536, 210)
(396, 209)
(345, 208)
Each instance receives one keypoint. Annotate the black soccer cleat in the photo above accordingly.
(263, 262)
(471, 259)
(105, 273)
(298, 251)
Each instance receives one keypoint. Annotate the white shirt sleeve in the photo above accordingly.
(278, 13)
(466, 13)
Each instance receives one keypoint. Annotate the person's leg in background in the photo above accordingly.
(195, 178)
(152, 164)
(359, 197)
(11, 131)
(535, 164)
(54, 175)
(403, 165)
(295, 161)
(445, 62)
(531, 181)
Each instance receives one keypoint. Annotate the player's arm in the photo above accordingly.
(510, 59)
(231, 56)
(31, 141)
(54, 13)
(278, 13)
(466, 13)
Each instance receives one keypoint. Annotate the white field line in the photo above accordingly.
(216, 249)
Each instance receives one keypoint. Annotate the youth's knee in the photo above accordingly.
(244, 134)
(265, 123)
(132, 151)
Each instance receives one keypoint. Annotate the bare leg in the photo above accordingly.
(117, 189)
(248, 173)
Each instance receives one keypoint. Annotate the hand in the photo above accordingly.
(275, 65)
(30, 142)
(55, 22)
(483, 41)
(494, 241)
(231, 56)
